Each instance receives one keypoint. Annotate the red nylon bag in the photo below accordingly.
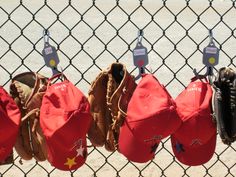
(151, 117)
(194, 142)
(9, 124)
(65, 119)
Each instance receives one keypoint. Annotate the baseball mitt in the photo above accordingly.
(27, 90)
(109, 96)
(224, 104)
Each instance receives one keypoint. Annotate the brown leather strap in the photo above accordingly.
(30, 113)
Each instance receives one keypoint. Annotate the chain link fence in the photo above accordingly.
(91, 34)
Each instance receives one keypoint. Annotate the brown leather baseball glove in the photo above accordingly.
(109, 96)
(27, 90)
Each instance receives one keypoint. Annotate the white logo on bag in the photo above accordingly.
(194, 88)
(196, 142)
(62, 87)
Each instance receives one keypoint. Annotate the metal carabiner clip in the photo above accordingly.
(211, 42)
(139, 37)
(46, 36)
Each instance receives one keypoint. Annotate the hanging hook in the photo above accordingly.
(140, 55)
(211, 42)
(46, 36)
(210, 59)
(140, 36)
(209, 74)
(50, 53)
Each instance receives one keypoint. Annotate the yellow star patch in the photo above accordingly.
(70, 162)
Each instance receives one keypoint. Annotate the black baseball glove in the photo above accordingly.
(224, 104)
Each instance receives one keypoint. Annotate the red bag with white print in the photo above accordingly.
(65, 119)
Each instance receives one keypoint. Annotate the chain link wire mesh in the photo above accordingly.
(91, 34)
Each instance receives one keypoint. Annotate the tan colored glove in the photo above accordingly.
(27, 90)
(97, 99)
(109, 96)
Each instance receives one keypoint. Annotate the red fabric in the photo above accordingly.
(65, 120)
(9, 123)
(151, 116)
(194, 142)
(132, 148)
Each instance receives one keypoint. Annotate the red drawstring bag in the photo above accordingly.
(151, 117)
(65, 119)
(9, 124)
(195, 141)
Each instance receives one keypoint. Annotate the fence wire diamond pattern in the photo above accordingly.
(91, 34)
